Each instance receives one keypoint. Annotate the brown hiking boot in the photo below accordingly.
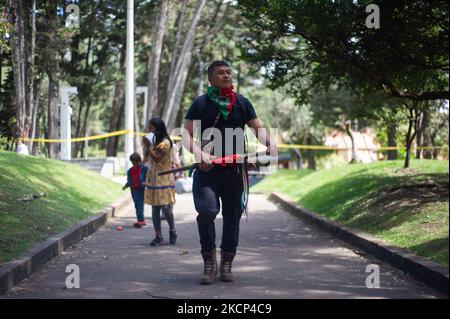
(211, 268)
(226, 261)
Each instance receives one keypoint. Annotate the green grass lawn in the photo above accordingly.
(407, 207)
(72, 194)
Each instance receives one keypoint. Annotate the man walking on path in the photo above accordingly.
(223, 112)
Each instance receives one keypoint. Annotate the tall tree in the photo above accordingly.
(53, 72)
(118, 107)
(178, 77)
(329, 41)
(7, 85)
(20, 56)
(155, 60)
(28, 76)
(415, 109)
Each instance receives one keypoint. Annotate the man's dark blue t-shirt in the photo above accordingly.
(237, 119)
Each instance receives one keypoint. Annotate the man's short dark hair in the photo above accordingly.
(135, 157)
(216, 64)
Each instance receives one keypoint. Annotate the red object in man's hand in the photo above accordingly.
(227, 160)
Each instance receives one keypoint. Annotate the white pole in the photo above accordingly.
(65, 114)
(129, 88)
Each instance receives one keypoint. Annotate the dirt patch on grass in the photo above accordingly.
(432, 227)
(411, 195)
(406, 171)
(396, 205)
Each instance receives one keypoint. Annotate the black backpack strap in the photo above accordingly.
(202, 101)
(240, 99)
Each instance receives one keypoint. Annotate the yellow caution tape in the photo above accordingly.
(174, 138)
(178, 138)
(380, 149)
(311, 147)
(78, 139)
(90, 138)
(332, 148)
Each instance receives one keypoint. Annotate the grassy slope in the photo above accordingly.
(409, 208)
(73, 193)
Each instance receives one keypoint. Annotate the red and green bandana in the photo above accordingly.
(223, 99)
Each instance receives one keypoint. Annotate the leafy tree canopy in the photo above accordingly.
(328, 41)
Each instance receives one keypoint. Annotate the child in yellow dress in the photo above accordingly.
(160, 190)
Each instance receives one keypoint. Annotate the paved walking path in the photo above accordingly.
(279, 257)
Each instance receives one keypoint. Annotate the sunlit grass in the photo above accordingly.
(382, 199)
(72, 194)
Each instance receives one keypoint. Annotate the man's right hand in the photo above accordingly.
(205, 161)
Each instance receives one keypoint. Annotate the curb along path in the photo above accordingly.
(13, 272)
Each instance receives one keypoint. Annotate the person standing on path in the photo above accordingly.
(160, 190)
(21, 147)
(221, 109)
(134, 182)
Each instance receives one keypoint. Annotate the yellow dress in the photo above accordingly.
(162, 188)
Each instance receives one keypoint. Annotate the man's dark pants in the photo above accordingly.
(223, 183)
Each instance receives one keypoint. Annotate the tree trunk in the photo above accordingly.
(35, 150)
(349, 133)
(76, 146)
(30, 84)
(299, 159)
(178, 96)
(426, 134)
(392, 155)
(118, 107)
(412, 131)
(40, 119)
(19, 65)
(176, 45)
(173, 63)
(437, 127)
(112, 143)
(155, 60)
(173, 101)
(35, 109)
(239, 78)
(215, 25)
(176, 84)
(177, 118)
(53, 72)
(114, 122)
(419, 138)
(201, 74)
(408, 146)
(53, 117)
(434, 152)
(310, 153)
(85, 129)
(1, 67)
(84, 97)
